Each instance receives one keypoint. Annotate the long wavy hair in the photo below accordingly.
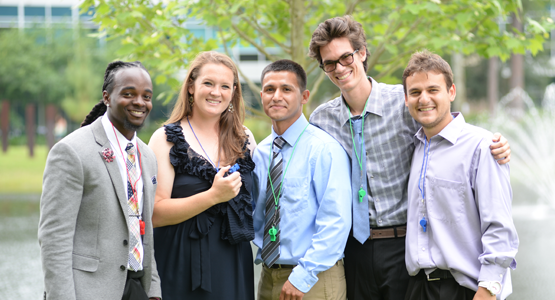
(232, 134)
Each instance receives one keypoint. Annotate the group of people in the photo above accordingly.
(383, 193)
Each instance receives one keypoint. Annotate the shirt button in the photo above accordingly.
(125, 242)
(122, 267)
(380, 221)
(500, 275)
(371, 176)
(377, 199)
(423, 249)
(308, 285)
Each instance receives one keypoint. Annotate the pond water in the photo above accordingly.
(21, 273)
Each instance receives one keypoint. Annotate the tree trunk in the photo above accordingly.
(298, 50)
(460, 104)
(30, 128)
(493, 85)
(5, 124)
(517, 71)
(50, 115)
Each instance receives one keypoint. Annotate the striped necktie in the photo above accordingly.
(135, 244)
(270, 249)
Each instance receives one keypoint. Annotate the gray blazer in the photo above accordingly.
(83, 232)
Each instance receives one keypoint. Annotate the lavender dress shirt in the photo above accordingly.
(465, 197)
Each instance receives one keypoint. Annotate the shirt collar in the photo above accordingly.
(451, 132)
(293, 132)
(374, 106)
(118, 140)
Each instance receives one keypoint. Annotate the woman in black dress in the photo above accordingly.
(203, 210)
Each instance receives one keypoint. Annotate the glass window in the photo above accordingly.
(61, 11)
(248, 57)
(8, 10)
(198, 33)
(35, 11)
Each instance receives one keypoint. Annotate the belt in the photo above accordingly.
(388, 233)
(438, 274)
(279, 266)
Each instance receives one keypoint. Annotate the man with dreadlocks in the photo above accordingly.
(95, 229)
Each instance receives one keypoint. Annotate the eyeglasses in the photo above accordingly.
(344, 60)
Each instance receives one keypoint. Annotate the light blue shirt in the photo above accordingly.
(315, 202)
(467, 205)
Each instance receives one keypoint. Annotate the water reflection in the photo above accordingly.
(21, 273)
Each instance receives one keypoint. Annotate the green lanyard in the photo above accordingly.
(361, 191)
(273, 230)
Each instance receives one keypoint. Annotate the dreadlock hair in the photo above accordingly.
(109, 76)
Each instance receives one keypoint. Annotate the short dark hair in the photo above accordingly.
(426, 61)
(338, 27)
(289, 66)
(109, 76)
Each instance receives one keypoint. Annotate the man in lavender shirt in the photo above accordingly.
(461, 240)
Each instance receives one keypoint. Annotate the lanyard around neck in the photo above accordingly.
(276, 198)
(133, 184)
(359, 157)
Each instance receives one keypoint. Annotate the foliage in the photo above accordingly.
(52, 65)
(154, 31)
(21, 174)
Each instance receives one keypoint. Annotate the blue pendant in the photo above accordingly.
(424, 224)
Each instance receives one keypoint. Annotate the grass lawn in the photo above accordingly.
(19, 173)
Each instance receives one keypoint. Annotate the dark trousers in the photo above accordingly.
(376, 269)
(133, 288)
(444, 289)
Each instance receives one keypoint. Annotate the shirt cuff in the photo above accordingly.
(302, 279)
(492, 272)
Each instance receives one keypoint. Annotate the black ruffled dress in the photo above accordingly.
(208, 256)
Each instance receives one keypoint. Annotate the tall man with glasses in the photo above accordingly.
(371, 122)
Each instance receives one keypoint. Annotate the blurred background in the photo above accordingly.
(53, 54)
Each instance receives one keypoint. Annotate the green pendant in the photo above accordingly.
(272, 232)
(361, 194)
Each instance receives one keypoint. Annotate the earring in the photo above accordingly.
(230, 109)
(191, 101)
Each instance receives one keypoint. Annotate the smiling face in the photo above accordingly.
(130, 100)
(212, 90)
(282, 99)
(429, 101)
(346, 78)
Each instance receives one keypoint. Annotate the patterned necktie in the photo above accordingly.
(270, 249)
(135, 245)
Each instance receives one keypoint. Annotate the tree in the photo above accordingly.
(57, 67)
(153, 31)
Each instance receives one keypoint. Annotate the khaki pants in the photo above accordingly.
(331, 284)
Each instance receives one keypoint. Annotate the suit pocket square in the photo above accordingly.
(154, 179)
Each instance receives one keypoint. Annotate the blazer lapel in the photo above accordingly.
(111, 166)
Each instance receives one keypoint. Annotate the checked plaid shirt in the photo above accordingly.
(389, 130)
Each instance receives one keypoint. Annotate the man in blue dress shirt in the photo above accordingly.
(461, 240)
(303, 210)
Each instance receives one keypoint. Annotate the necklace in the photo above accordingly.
(273, 230)
(208, 157)
(422, 181)
(361, 191)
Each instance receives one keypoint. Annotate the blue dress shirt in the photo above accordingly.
(467, 205)
(315, 205)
